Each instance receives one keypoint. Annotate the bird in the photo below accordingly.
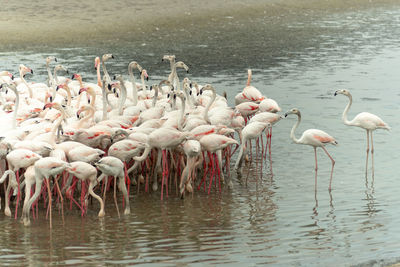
(365, 120)
(112, 166)
(315, 138)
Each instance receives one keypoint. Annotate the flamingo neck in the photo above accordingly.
(173, 71)
(122, 97)
(134, 88)
(104, 94)
(144, 155)
(55, 76)
(248, 78)
(346, 110)
(155, 96)
(5, 174)
(29, 88)
(180, 120)
(108, 79)
(55, 127)
(51, 79)
(89, 116)
(209, 105)
(143, 83)
(294, 129)
(14, 122)
(99, 83)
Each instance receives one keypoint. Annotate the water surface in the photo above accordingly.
(278, 220)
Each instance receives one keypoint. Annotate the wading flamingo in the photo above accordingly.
(365, 120)
(315, 138)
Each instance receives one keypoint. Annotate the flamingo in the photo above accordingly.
(315, 138)
(44, 169)
(251, 131)
(365, 120)
(86, 172)
(112, 166)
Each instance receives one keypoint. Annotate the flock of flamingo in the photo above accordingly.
(69, 138)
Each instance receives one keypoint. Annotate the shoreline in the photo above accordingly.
(53, 23)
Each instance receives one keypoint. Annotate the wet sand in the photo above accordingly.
(77, 23)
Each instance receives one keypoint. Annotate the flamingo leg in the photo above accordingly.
(212, 172)
(366, 162)
(333, 164)
(115, 196)
(49, 193)
(164, 160)
(18, 196)
(316, 169)
(61, 199)
(372, 155)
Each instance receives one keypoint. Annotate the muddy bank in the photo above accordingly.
(76, 23)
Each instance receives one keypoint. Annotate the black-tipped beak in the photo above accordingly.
(286, 115)
(114, 91)
(190, 92)
(115, 77)
(335, 94)
(151, 87)
(201, 91)
(112, 56)
(67, 72)
(51, 99)
(77, 115)
(190, 85)
(72, 77)
(187, 71)
(12, 77)
(31, 71)
(88, 101)
(162, 60)
(58, 87)
(55, 59)
(147, 78)
(44, 107)
(109, 87)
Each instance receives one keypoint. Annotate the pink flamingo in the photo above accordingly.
(365, 120)
(214, 143)
(315, 138)
(20, 159)
(251, 131)
(44, 169)
(86, 172)
(112, 166)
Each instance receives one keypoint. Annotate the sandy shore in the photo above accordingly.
(74, 23)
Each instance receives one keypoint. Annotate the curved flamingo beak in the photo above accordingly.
(48, 105)
(84, 89)
(335, 94)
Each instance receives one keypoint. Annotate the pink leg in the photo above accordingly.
(316, 168)
(18, 196)
(333, 164)
(366, 162)
(212, 173)
(218, 172)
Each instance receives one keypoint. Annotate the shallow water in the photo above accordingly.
(278, 220)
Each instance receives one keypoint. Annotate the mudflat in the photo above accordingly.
(72, 23)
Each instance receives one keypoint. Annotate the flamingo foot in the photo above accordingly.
(7, 211)
(101, 213)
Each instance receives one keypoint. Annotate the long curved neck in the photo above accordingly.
(108, 79)
(134, 88)
(248, 78)
(55, 76)
(346, 110)
(29, 88)
(89, 116)
(144, 155)
(173, 71)
(14, 122)
(143, 83)
(104, 93)
(209, 105)
(294, 129)
(155, 96)
(93, 100)
(99, 83)
(122, 98)
(55, 127)
(5, 174)
(180, 120)
(51, 79)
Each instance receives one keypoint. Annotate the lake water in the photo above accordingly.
(279, 220)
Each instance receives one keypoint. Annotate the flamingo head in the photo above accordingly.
(292, 111)
(50, 58)
(144, 73)
(62, 86)
(48, 105)
(83, 89)
(96, 63)
(106, 57)
(168, 57)
(343, 92)
(76, 76)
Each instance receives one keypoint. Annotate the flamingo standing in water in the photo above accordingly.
(315, 138)
(365, 120)
(112, 166)
(44, 169)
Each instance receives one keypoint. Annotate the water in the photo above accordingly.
(278, 220)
